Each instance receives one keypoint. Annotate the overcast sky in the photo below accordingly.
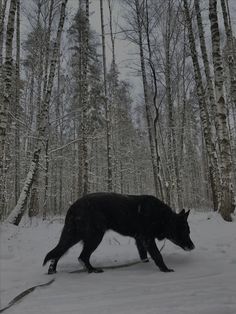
(126, 53)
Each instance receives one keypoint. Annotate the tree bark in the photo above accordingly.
(146, 96)
(210, 87)
(85, 95)
(3, 6)
(107, 106)
(155, 121)
(34, 195)
(18, 211)
(5, 98)
(211, 97)
(17, 105)
(226, 195)
(231, 53)
(208, 137)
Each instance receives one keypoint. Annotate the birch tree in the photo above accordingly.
(208, 136)
(84, 92)
(17, 213)
(41, 56)
(146, 96)
(17, 104)
(5, 99)
(156, 118)
(107, 105)
(209, 82)
(3, 7)
(226, 193)
(231, 53)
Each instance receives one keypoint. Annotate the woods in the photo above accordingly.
(77, 116)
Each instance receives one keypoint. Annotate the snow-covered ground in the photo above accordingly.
(204, 281)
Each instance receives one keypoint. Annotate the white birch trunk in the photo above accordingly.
(3, 6)
(210, 87)
(208, 137)
(18, 211)
(107, 106)
(17, 105)
(146, 97)
(210, 95)
(231, 53)
(85, 60)
(155, 122)
(5, 98)
(226, 195)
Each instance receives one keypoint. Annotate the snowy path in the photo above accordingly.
(204, 281)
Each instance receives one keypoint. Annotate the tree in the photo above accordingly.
(146, 96)
(5, 99)
(107, 106)
(208, 136)
(226, 193)
(17, 213)
(214, 169)
(17, 104)
(231, 53)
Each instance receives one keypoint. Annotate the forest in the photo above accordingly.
(136, 97)
(76, 116)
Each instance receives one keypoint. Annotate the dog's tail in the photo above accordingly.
(53, 254)
(66, 241)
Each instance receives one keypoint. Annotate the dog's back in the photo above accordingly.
(125, 214)
(106, 211)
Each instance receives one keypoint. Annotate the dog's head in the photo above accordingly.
(180, 232)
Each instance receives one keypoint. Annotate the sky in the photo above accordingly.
(127, 57)
(125, 51)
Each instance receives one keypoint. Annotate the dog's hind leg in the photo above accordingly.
(57, 253)
(141, 250)
(90, 245)
(66, 241)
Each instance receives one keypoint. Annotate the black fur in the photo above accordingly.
(143, 217)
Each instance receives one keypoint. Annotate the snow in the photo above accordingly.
(204, 281)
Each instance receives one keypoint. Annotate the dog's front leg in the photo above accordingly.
(156, 255)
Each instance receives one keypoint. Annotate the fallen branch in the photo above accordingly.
(23, 294)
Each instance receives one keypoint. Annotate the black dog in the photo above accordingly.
(143, 217)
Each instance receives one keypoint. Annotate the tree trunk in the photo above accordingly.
(208, 137)
(226, 193)
(48, 37)
(18, 211)
(46, 174)
(3, 6)
(146, 96)
(231, 53)
(5, 99)
(107, 106)
(17, 106)
(34, 196)
(85, 95)
(153, 70)
(211, 96)
(172, 153)
(210, 87)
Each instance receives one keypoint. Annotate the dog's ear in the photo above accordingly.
(187, 213)
(184, 214)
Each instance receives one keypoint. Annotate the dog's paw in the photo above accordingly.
(96, 270)
(51, 271)
(167, 270)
